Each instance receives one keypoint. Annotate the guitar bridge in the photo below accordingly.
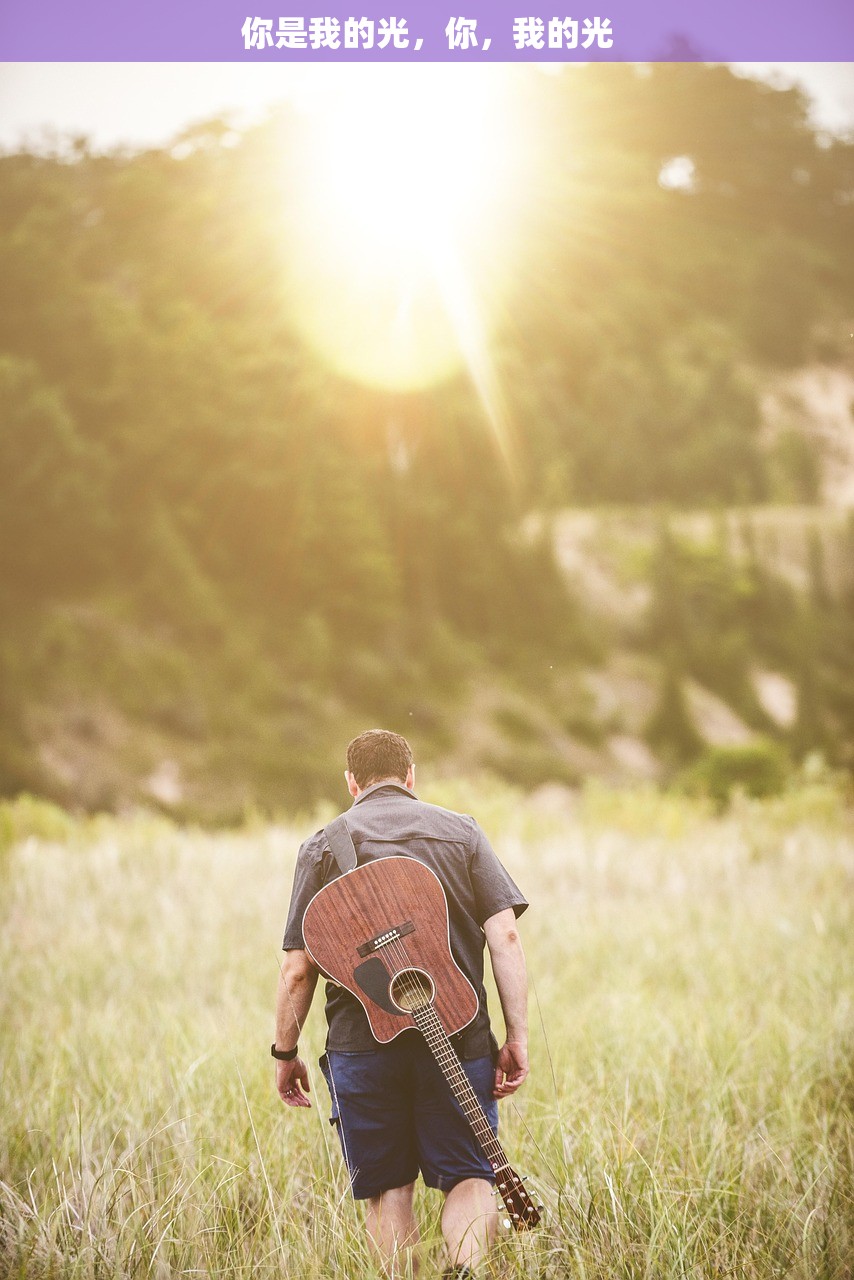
(384, 938)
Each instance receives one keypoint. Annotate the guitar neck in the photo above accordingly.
(522, 1210)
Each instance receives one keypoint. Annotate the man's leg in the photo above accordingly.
(392, 1227)
(469, 1222)
(372, 1105)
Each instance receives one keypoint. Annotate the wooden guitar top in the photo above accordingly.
(385, 918)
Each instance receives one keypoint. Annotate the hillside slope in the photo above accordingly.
(118, 715)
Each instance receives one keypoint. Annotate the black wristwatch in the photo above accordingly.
(284, 1055)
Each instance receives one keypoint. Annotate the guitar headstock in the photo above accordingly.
(524, 1214)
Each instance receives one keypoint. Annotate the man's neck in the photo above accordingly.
(382, 782)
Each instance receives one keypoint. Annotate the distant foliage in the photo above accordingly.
(718, 615)
(781, 303)
(28, 817)
(170, 446)
(759, 769)
(52, 486)
(671, 730)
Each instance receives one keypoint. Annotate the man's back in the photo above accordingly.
(388, 819)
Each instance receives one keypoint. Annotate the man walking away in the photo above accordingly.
(392, 1108)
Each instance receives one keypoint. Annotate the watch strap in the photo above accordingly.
(283, 1055)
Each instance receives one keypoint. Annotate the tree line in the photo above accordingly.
(171, 449)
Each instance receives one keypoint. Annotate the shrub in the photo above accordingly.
(759, 769)
(27, 816)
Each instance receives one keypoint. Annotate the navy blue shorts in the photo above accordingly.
(396, 1117)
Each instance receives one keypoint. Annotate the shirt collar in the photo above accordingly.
(381, 786)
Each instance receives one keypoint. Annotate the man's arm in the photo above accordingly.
(297, 980)
(508, 965)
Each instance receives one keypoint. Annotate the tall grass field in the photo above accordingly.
(689, 1109)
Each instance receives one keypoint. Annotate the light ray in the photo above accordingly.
(464, 314)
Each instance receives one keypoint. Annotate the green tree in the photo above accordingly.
(51, 510)
(671, 729)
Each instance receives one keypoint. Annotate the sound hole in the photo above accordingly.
(411, 989)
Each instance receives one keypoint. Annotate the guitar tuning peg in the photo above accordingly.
(507, 1222)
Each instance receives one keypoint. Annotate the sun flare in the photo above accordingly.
(402, 235)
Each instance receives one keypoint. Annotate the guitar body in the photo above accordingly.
(344, 927)
(381, 931)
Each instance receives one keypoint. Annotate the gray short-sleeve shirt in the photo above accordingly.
(386, 820)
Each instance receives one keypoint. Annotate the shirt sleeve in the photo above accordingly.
(308, 880)
(494, 890)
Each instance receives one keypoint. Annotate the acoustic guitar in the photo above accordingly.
(381, 931)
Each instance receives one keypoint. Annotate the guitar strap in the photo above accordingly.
(341, 844)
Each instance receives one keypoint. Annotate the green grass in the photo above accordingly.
(689, 1112)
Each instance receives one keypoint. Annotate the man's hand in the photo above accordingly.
(291, 1079)
(297, 980)
(511, 1068)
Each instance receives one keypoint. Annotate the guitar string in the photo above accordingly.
(443, 1051)
(447, 1058)
(519, 1203)
(515, 1195)
(409, 986)
(428, 1022)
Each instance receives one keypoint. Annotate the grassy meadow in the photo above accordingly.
(689, 1111)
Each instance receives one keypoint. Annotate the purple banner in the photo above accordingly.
(415, 31)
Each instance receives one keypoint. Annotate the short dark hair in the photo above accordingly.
(378, 754)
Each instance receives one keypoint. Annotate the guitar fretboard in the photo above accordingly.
(427, 1021)
(521, 1208)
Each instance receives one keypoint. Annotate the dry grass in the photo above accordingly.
(689, 1112)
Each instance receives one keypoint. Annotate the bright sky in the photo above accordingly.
(147, 103)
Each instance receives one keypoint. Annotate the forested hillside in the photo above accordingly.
(218, 556)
